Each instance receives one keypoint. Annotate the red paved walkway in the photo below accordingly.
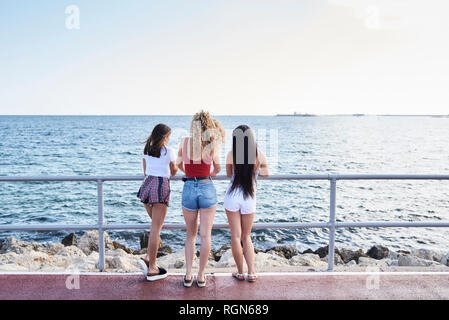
(223, 287)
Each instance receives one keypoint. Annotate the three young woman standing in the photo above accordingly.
(197, 155)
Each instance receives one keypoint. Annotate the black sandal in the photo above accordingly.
(158, 276)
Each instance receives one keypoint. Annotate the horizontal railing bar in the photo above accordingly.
(140, 178)
(390, 177)
(222, 177)
(391, 224)
(47, 227)
(283, 225)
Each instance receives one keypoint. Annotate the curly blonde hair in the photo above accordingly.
(207, 129)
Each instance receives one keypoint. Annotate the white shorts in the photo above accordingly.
(235, 202)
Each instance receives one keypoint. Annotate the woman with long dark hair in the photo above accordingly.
(243, 164)
(159, 162)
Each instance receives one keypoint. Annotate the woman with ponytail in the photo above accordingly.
(243, 164)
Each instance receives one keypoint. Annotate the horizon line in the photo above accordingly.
(232, 115)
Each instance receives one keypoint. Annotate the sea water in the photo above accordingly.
(113, 145)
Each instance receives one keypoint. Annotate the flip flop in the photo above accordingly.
(201, 284)
(158, 276)
(188, 283)
(252, 277)
(239, 276)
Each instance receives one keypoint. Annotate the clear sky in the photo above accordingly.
(226, 56)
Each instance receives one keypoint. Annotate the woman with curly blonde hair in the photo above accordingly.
(196, 154)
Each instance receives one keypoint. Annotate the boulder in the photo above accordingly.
(351, 263)
(117, 245)
(308, 251)
(226, 260)
(89, 242)
(8, 258)
(144, 241)
(92, 260)
(349, 255)
(323, 251)
(174, 261)
(144, 238)
(307, 259)
(218, 253)
(286, 252)
(371, 262)
(116, 252)
(53, 248)
(72, 252)
(258, 250)
(427, 254)
(163, 251)
(392, 263)
(33, 260)
(378, 252)
(19, 246)
(413, 261)
(264, 260)
(337, 259)
(211, 254)
(445, 259)
(121, 263)
(69, 240)
(140, 252)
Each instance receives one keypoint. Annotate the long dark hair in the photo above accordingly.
(244, 155)
(154, 142)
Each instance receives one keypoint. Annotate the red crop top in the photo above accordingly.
(192, 168)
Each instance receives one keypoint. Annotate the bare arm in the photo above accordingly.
(263, 164)
(179, 161)
(173, 168)
(216, 163)
(229, 164)
(144, 166)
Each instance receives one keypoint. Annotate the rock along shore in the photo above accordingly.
(72, 255)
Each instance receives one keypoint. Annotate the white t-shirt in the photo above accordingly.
(159, 167)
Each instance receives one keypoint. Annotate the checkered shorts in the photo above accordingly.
(154, 190)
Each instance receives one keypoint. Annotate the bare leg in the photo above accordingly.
(206, 221)
(248, 248)
(159, 211)
(236, 235)
(191, 219)
(149, 210)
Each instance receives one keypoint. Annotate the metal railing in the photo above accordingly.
(332, 224)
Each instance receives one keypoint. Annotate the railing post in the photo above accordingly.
(332, 220)
(100, 200)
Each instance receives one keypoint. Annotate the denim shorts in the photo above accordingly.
(199, 194)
